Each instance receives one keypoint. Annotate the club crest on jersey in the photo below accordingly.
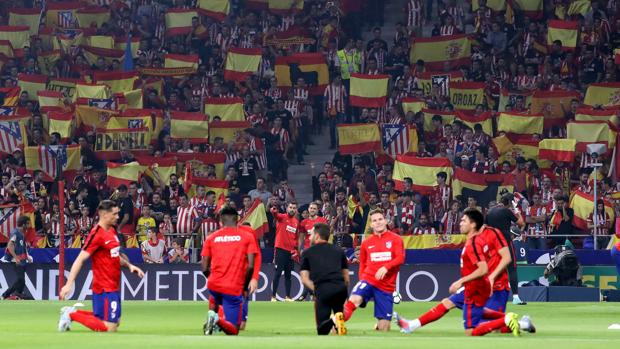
(388, 244)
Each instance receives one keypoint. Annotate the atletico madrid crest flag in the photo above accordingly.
(52, 158)
(399, 139)
(439, 81)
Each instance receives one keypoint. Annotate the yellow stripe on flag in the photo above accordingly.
(179, 21)
(19, 36)
(241, 62)
(520, 123)
(118, 82)
(358, 138)
(589, 114)
(91, 117)
(447, 118)
(227, 130)
(101, 41)
(96, 91)
(228, 109)
(29, 17)
(49, 99)
(579, 7)
(218, 9)
(32, 84)
(603, 94)
(413, 105)
(93, 15)
(565, 31)
(62, 123)
(583, 206)
(436, 51)
(557, 149)
(193, 126)
(588, 132)
(423, 171)
(118, 174)
(466, 95)
(369, 91)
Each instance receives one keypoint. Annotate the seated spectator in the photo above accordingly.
(153, 249)
(178, 254)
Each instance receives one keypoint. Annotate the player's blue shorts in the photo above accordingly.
(107, 306)
(497, 301)
(244, 315)
(384, 303)
(615, 255)
(472, 315)
(233, 306)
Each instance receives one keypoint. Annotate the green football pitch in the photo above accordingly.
(178, 325)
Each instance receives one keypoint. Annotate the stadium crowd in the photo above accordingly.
(167, 212)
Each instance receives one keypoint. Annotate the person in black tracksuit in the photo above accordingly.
(324, 271)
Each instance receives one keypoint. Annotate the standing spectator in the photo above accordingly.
(17, 253)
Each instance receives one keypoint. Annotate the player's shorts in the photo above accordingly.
(472, 315)
(232, 306)
(107, 306)
(244, 314)
(384, 303)
(496, 302)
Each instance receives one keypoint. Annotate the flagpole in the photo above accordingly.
(61, 205)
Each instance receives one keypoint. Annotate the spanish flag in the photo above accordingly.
(157, 117)
(108, 140)
(447, 118)
(525, 124)
(131, 99)
(32, 84)
(92, 54)
(118, 82)
(436, 51)
(552, 104)
(47, 60)
(118, 174)
(483, 187)
(47, 158)
(520, 147)
(92, 16)
(588, 132)
(583, 206)
(591, 114)
(49, 100)
(122, 121)
(192, 126)
(358, 138)
(285, 7)
(61, 122)
(466, 95)
(502, 144)
(412, 104)
(91, 117)
(241, 62)
(179, 21)
(65, 85)
(485, 120)
(438, 80)
(29, 17)
(579, 7)
(218, 186)
(313, 67)
(218, 9)
(557, 149)
(19, 35)
(96, 91)
(423, 172)
(507, 97)
(120, 43)
(181, 61)
(257, 217)
(164, 167)
(200, 160)
(530, 8)
(228, 109)
(227, 130)
(565, 31)
(495, 5)
(6, 50)
(99, 41)
(368, 91)
(62, 14)
(9, 96)
(603, 94)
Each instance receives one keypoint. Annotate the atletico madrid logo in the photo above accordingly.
(614, 99)
(453, 50)
(388, 244)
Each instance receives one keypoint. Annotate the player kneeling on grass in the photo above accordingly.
(258, 259)
(500, 258)
(103, 248)
(325, 271)
(381, 256)
(228, 264)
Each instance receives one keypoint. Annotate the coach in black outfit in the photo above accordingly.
(325, 272)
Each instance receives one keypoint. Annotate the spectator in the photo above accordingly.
(153, 249)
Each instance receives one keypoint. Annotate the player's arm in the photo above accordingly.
(518, 218)
(399, 258)
(11, 248)
(481, 271)
(75, 269)
(362, 259)
(504, 252)
(206, 265)
(305, 273)
(250, 271)
(301, 237)
(132, 268)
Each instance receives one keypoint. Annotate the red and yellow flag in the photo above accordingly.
(199, 162)
(19, 35)
(368, 91)
(218, 9)
(44, 158)
(218, 186)
(552, 104)
(412, 104)
(47, 60)
(29, 17)
(525, 124)
(109, 140)
(118, 174)
(157, 117)
(89, 118)
(6, 51)
(520, 147)
(227, 130)
(603, 94)
(436, 51)
(228, 109)
(92, 54)
(483, 187)
(192, 126)
(557, 149)
(466, 95)
(358, 138)
(62, 14)
(507, 97)
(257, 217)
(96, 91)
(485, 120)
(447, 117)
(588, 132)
(530, 8)
(439, 80)
(172, 60)
(422, 171)
(591, 114)
(241, 62)
(285, 7)
(61, 122)
(92, 16)
(179, 21)
(99, 41)
(32, 84)
(565, 31)
(118, 82)
(579, 7)
(306, 63)
(50, 100)
(583, 206)
(9, 96)
(158, 167)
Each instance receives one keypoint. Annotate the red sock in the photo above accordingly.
(349, 308)
(488, 326)
(89, 320)
(84, 312)
(228, 327)
(434, 314)
(220, 313)
(492, 314)
(505, 329)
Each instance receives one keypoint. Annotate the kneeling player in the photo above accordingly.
(228, 263)
(381, 256)
(254, 282)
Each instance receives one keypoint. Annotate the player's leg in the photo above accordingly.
(472, 320)
(337, 302)
(233, 308)
(105, 316)
(279, 261)
(435, 313)
(288, 269)
(384, 307)
(244, 313)
(215, 300)
(513, 277)
(362, 292)
(322, 313)
(18, 285)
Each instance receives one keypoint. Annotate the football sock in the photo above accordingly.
(434, 314)
(486, 327)
(349, 308)
(227, 327)
(492, 314)
(89, 320)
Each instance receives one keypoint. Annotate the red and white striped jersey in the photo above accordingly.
(424, 230)
(525, 82)
(274, 93)
(379, 56)
(537, 229)
(287, 22)
(185, 220)
(440, 199)
(284, 138)
(335, 97)
(481, 167)
(447, 30)
(208, 225)
(224, 42)
(294, 106)
(301, 94)
(373, 72)
(450, 222)
(198, 203)
(415, 16)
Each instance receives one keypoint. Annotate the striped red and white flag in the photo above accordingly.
(396, 139)
(50, 157)
(65, 19)
(11, 136)
(8, 219)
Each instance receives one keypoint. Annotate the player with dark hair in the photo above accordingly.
(228, 264)
(17, 252)
(381, 256)
(102, 246)
(286, 247)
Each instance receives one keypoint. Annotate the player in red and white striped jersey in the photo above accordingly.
(335, 106)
